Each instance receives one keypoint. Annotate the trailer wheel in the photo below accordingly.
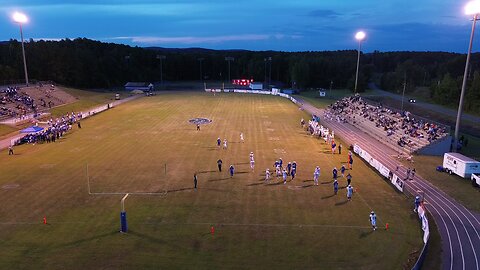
(450, 172)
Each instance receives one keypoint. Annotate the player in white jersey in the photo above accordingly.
(316, 175)
(241, 137)
(267, 175)
(225, 144)
(284, 177)
(349, 192)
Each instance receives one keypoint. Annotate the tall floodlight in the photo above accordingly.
(21, 18)
(229, 59)
(360, 36)
(161, 58)
(269, 60)
(472, 8)
(200, 60)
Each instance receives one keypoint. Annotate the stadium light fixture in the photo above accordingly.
(472, 8)
(21, 18)
(360, 36)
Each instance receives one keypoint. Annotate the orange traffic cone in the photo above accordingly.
(45, 220)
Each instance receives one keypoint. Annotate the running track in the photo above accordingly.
(459, 227)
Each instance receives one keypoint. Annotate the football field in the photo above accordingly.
(148, 148)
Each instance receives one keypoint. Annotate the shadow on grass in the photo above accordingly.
(341, 203)
(327, 197)
(220, 179)
(307, 181)
(146, 237)
(242, 172)
(179, 189)
(254, 184)
(365, 234)
(206, 171)
(307, 186)
(89, 239)
(275, 184)
(325, 183)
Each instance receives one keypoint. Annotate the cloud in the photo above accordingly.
(324, 13)
(201, 40)
(49, 39)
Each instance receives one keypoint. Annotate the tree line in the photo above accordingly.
(87, 63)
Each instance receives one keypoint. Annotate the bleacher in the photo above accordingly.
(402, 131)
(19, 102)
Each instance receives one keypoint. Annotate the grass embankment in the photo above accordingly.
(85, 100)
(6, 130)
(147, 145)
(314, 98)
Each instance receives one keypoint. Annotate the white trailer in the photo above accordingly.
(475, 180)
(455, 163)
(256, 86)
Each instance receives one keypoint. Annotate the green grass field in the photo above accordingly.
(257, 225)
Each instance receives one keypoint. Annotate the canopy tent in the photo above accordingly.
(32, 129)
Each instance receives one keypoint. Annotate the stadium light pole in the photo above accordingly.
(21, 18)
(228, 59)
(360, 36)
(269, 60)
(269, 71)
(161, 58)
(200, 60)
(472, 8)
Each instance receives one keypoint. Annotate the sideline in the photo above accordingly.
(5, 143)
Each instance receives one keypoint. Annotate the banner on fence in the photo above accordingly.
(384, 170)
(357, 149)
(425, 227)
(397, 182)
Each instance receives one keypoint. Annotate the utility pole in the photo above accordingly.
(228, 59)
(201, 74)
(161, 58)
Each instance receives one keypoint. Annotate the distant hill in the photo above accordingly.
(192, 50)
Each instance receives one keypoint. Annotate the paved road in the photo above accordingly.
(432, 107)
(459, 227)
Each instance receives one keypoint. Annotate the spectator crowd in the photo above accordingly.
(406, 126)
(54, 131)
